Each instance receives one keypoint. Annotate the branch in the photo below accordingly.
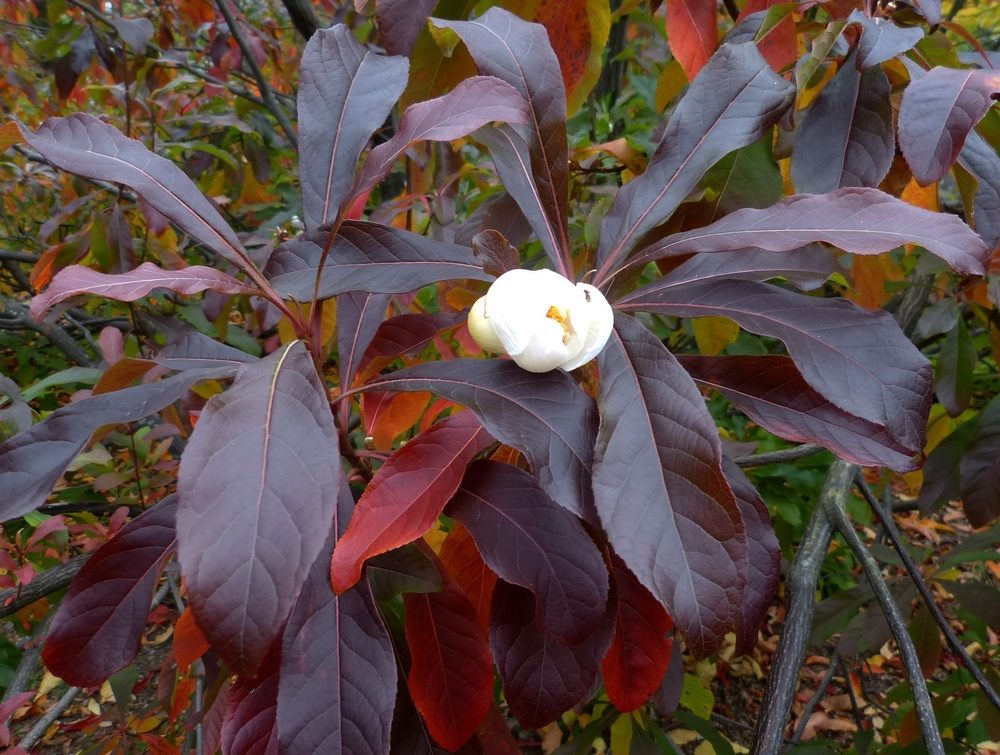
(801, 586)
(17, 315)
(265, 88)
(777, 457)
(42, 725)
(43, 584)
(836, 512)
(301, 14)
(925, 592)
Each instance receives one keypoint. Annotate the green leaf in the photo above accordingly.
(697, 697)
(953, 373)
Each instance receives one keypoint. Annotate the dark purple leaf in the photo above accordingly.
(519, 53)
(249, 725)
(120, 241)
(88, 147)
(545, 415)
(133, 285)
(731, 103)
(33, 461)
(763, 558)
(978, 598)
(982, 161)
(470, 105)
(858, 360)
(495, 252)
(858, 220)
(937, 113)
(942, 472)
(511, 155)
(953, 371)
(542, 677)
(338, 672)
(359, 317)
(258, 483)
(194, 350)
(980, 469)
(882, 39)
(498, 212)
(405, 569)
(773, 393)
(529, 540)
(808, 267)
(135, 32)
(98, 626)
(846, 137)
(368, 257)
(400, 22)
(660, 491)
(345, 93)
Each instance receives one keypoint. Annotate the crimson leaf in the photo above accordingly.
(640, 648)
(98, 626)
(856, 359)
(451, 677)
(88, 147)
(519, 53)
(135, 284)
(659, 488)
(730, 104)
(545, 415)
(368, 257)
(774, 394)
(258, 482)
(937, 113)
(542, 677)
(345, 93)
(846, 137)
(32, 462)
(858, 220)
(407, 494)
(405, 334)
(338, 672)
(529, 540)
(473, 103)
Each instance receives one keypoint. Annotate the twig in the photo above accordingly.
(800, 728)
(302, 16)
(41, 726)
(777, 457)
(18, 316)
(925, 592)
(18, 257)
(801, 585)
(731, 9)
(265, 88)
(836, 511)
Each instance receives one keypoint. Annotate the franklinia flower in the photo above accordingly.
(542, 320)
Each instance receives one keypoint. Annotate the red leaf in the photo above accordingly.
(407, 494)
(780, 47)
(692, 33)
(451, 677)
(462, 561)
(99, 624)
(640, 648)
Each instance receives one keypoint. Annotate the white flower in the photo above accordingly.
(542, 320)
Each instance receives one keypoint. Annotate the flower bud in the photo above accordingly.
(542, 320)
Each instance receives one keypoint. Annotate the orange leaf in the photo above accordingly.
(189, 642)
(462, 561)
(388, 415)
(780, 47)
(692, 33)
